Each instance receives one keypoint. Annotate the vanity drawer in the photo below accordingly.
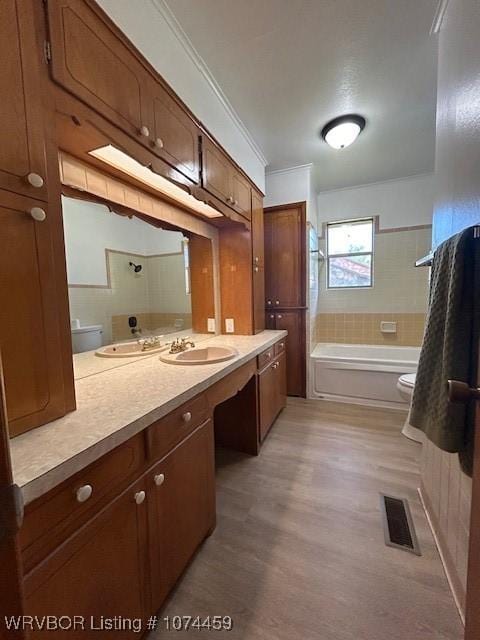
(163, 435)
(266, 357)
(280, 347)
(54, 516)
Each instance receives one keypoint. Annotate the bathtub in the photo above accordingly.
(361, 374)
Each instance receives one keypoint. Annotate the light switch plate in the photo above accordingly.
(211, 325)
(229, 325)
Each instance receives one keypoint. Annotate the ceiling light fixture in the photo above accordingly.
(343, 131)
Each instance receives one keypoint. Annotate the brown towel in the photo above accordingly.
(447, 351)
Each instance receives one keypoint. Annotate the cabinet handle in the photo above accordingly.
(235, 203)
(255, 269)
(34, 180)
(186, 417)
(281, 345)
(272, 316)
(159, 143)
(268, 355)
(159, 479)
(279, 316)
(257, 259)
(275, 366)
(139, 497)
(38, 214)
(277, 301)
(269, 302)
(84, 493)
(144, 131)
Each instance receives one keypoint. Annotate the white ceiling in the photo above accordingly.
(289, 66)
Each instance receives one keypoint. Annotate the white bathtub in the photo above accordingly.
(361, 374)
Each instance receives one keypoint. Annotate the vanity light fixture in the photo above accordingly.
(123, 162)
(341, 132)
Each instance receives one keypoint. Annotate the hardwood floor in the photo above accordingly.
(299, 553)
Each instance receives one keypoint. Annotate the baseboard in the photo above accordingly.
(454, 583)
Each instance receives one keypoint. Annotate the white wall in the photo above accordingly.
(292, 185)
(91, 228)
(399, 203)
(153, 30)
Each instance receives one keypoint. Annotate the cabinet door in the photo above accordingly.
(100, 571)
(29, 332)
(241, 194)
(258, 263)
(22, 148)
(216, 172)
(281, 382)
(268, 398)
(285, 246)
(176, 136)
(294, 323)
(93, 62)
(182, 508)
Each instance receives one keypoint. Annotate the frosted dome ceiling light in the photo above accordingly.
(343, 131)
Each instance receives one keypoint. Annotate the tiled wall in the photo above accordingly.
(447, 492)
(156, 295)
(399, 293)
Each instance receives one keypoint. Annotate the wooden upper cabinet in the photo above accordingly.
(216, 171)
(29, 332)
(285, 263)
(241, 194)
(93, 62)
(22, 148)
(175, 134)
(258, 263)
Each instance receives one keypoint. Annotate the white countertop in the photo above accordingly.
(112, 406)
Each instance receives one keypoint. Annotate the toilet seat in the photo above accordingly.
(407, 380)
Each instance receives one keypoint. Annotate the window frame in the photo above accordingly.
(348, 255)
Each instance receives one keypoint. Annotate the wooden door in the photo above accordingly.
(29, 332)
(258, 263)
(285, 251)
(22, 154)
(267, 398)
(11, 514)
(216, 172)
(100, 571)
(175, 134)
(241, 194)
(92, 60)
(294, 323)
(182, 487)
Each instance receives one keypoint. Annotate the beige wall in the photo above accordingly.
(399, 293)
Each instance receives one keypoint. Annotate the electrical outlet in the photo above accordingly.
(229, 325)
(211, 325)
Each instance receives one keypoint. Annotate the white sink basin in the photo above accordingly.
(200, 355)
(127, 350)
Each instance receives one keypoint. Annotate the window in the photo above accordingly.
(350, 254)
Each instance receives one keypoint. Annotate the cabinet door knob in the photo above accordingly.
(281, 345)
(279, 316)
(144, 131)
(186, 417)
(34, 180)
(255, 269)
(269, 302)
(277, 301)
(272, 316)
(257, 259)
(139, 497)
(235, 203)
(84, 493)
(159, 143)
(38, 214)
(159, 479)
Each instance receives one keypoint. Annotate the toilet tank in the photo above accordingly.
(86, 338)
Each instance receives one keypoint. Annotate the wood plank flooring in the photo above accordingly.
(299, 553)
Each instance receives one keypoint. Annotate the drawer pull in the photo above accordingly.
(159, 479)
(144, 131)
(277, 301)
(281, 345)
(279, 316)
(34, 180)
(255, 269)
(159, 143)
(84, 493)
(38, 214)
(186, 417)
(269, 302)
(139, 497)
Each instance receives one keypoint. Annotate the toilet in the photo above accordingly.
(405, 386)
(86, 338)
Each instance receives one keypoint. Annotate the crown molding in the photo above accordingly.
(298, 167)
(162, 7)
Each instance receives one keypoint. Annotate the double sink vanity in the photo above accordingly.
(120, 493)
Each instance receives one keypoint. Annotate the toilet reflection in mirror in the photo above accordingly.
(128, 278)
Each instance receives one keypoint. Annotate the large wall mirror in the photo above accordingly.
(129, 279)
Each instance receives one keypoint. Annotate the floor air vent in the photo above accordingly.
(398, 524)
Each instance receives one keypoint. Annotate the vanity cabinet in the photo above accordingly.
(292, 321)
(22, 152)
(271, 393)
(181, 488)
(102, 570)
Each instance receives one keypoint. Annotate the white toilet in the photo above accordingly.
(86, 338)
(405, 386)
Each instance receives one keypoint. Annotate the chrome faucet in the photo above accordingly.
(179, 345)
(149, 343)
